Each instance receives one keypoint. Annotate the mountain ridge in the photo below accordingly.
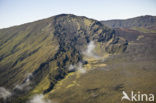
(46, 48)
(74, 59)
(140, 21)
(27, 23)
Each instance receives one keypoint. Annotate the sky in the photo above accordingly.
(16, 12)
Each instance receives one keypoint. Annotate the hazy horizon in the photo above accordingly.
(18, 12)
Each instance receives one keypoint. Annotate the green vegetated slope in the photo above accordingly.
(145, 24)
(46, 49)
(24, 48)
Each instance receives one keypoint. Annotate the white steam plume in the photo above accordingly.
(90, 50)
(39, 99)
(25, 84)
(4, 93)
(78, 67)
(72, 68)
